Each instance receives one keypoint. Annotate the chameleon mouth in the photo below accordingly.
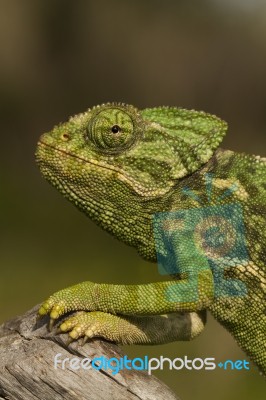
(59, 179)
(43, 151)
(41, 144)
(121, 175)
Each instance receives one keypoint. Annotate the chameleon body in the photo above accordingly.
(157, 180)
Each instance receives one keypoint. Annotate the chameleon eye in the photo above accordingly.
(112, 130)
(116, 129)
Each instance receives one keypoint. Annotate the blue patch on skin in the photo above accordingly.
(200, 239)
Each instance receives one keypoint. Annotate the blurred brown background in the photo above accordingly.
(60, 57)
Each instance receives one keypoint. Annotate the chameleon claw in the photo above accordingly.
(84, 340)
(69, 340)
(51, 324)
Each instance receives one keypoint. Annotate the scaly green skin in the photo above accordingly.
(122, 167)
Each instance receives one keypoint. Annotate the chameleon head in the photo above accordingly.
(115, 162)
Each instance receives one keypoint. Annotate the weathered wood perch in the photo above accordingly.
(27, 371)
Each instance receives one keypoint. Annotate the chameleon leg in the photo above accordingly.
(157, 329)
(142, 300)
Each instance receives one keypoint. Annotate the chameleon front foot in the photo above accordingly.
(74, 298)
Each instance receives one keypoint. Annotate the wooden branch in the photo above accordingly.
(27, 370)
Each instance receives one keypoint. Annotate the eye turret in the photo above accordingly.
(113, 129)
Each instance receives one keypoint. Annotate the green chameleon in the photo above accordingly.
(157, 180)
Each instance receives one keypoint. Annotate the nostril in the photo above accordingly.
(65, 136)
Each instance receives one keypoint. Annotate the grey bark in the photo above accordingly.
(27, 371)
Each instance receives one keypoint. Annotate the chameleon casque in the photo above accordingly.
(140, 174)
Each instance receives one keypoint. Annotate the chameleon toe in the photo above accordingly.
(44, 309)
